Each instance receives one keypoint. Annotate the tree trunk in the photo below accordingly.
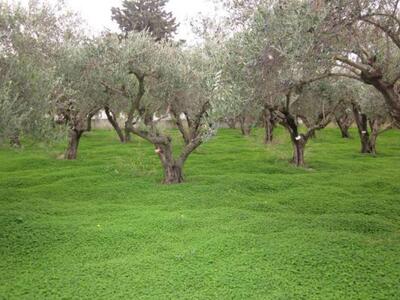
(89, 123)
(298, 151)
(113, 121)
(173, 174)
(15, 141)
(269, 125)
(298, 140)
(362, 125)
(344, 126)
(72, 151)
(245, 127)
(173, 170)
(128, 136)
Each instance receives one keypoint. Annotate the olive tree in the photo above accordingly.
(30, 39)
(77, 94)
(161, 82)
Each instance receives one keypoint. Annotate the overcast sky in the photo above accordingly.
(97, 13)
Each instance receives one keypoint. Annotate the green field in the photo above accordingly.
(245, 225)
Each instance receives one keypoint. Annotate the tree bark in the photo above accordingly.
(173, 174)
(344, 124)
(298, 151)
(72, 151)
(298, 140)
(269, 125)
(114, 122)
(89, 123)
(362, 125)
(173, 169)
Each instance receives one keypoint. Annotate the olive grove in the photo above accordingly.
(300, 64)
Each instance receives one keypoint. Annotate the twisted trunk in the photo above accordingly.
(74, 137)
(114, 123)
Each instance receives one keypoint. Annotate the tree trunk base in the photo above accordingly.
(15, 141)
(72, 151)
(173, 175)
(298, 154)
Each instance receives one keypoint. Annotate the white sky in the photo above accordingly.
(97, 13)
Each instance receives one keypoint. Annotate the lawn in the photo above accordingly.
(245, 225)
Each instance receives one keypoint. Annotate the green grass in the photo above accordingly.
(245, 225)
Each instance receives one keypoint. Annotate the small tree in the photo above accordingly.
(315, 103)
(145, 15)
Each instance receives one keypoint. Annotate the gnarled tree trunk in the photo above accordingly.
(299, 145)
(114, 122)
(362, 125)
(298, 141)
(74, 137)
(173, 173)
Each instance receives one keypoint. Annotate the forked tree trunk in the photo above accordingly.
(114, 123)
(308, 125)
(173, 170)
(344, 130)
(72, 151)
(344, 124)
